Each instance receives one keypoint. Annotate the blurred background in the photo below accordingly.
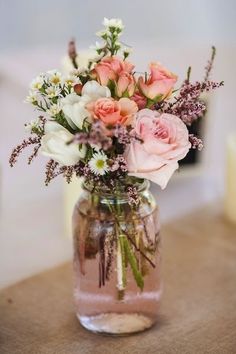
(33, 38)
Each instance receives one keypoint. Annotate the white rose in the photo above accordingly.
(73, 106)
(54, 145)
(94, 91)
(52, 126)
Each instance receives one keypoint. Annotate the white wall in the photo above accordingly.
(33, 38)
(28, 23)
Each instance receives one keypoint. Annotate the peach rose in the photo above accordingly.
(165, 141)
(160, 82)
(113, 112)
(125, 84)
(110, 67)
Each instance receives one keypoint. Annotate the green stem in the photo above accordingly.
(134, 264)
(123, 259)
(125, 255)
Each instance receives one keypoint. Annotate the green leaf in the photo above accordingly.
(158, 98)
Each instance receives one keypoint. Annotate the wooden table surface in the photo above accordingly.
(198, 312)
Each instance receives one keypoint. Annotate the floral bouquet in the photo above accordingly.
(116, 128)
(106, 123)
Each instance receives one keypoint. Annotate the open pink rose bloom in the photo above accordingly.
(164, 142)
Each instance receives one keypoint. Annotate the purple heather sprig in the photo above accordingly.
(187, 105)
(97, 136)
(209, 66)
(122, 134)
(53, 169)
(133, 195)
(196, 143)
(19, 149)
(119, 163)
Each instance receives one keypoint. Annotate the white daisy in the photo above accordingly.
(54, 77)
(37, 83)
(98, 163)
(53, 91)
(31, 98)
(71, 80)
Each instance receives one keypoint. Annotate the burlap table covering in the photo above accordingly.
(198, 312)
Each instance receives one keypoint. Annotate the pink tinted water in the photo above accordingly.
(98, 308)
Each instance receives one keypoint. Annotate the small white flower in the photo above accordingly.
(113, 23)
(53, 91)
(54, 145)
(31, 125)
(37, 83)
(71, 80)
(127, 50)
(118, 44)
(54, 109)
(96, 57)
(98, 163)
(97, 46)
(31, 98)
(102, 33)
(54, 77)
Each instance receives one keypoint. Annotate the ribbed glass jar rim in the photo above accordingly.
(141, 186)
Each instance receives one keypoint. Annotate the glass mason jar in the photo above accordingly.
(116, 260)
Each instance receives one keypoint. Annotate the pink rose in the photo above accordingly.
(160, 82)
(165, 141)
(125, 84)
(113, 112)
(139, 99)
(110, 67)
